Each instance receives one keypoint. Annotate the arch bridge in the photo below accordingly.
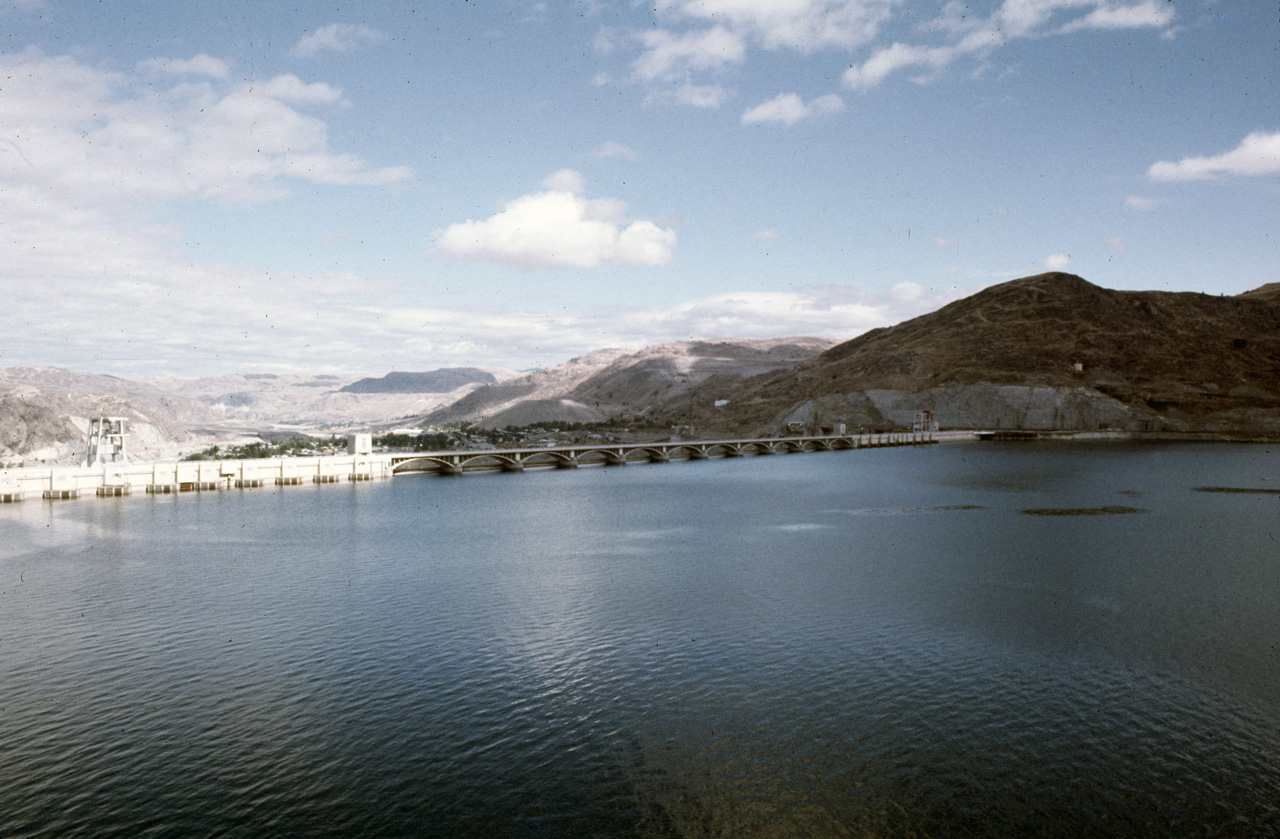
(619, 454)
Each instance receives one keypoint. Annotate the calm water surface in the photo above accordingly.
(981, 639)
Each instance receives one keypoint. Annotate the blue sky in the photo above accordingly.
(203, 188)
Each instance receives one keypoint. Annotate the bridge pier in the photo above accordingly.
(567, 463)
(513, 467)
(697, 454)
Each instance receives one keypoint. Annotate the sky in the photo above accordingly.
(201, 188)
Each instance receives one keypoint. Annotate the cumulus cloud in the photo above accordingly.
(558, 228)
(803, 25)
(973, 36)
(199, 65)
(697, 37)
(670, 56)
(1057, 261)
(1257, 155)
(84, 135)
(766, 234)
(789, 108)
(1117, 244)
(336, 37)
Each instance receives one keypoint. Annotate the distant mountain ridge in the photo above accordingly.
(614, 383)
(443, 380)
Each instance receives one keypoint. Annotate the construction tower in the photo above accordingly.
(106, 441)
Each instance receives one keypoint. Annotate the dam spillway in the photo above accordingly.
(172, 477)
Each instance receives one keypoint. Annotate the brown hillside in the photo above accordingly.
(1190, 354)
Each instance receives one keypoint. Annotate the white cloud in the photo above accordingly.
(1150, 13)
(1117, 244)
(88, 290)
(336, 37)
(84, 136)
(840, 311)
(611, 149)
(1257, 155)
(566, 180)
(766, 234)
(199, 65)
(669, 56)
(694, 95)
(789, 108)
(1057, 261)
(803, 25)
(558, 228)
(290, 88)
(885, 62)
(970, 35)
(700, 95)
(1138, 202)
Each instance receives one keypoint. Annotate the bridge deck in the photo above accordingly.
(612, 453)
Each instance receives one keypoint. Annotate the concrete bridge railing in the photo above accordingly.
(619, 454)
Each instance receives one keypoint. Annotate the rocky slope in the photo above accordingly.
(613, 383)
(530, 398)
(1051, 351)
(44, 414)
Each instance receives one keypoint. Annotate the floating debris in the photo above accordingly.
(1259, 490)
(1112, 510)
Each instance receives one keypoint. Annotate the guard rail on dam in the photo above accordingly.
(116, 479)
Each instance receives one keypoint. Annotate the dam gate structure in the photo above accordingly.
(106, 442)
(110, 477)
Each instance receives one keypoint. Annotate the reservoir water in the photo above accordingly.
(955, 640)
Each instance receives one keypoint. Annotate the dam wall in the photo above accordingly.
(188, 476)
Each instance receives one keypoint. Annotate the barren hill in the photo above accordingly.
(541, 393)
(1051, 351)
(611, 383)
(45, 411)
(443, 380)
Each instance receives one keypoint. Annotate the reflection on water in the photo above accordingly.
(864, 643)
